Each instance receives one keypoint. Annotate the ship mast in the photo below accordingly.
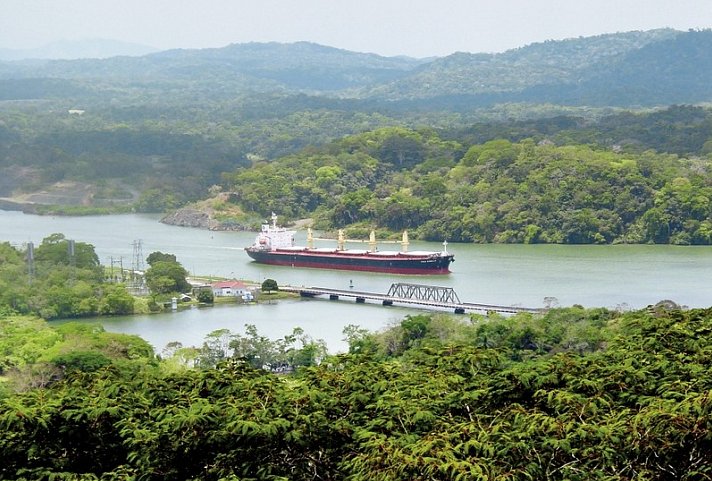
(310, 238)
(404, 242)
(372, 242)
(340, 245)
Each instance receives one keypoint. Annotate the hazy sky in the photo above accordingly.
(418, 28)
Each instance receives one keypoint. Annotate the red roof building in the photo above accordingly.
(229, 288)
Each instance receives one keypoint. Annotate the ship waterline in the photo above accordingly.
(400, 263)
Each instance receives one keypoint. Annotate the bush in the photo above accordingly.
(206, 296)
(83, 361)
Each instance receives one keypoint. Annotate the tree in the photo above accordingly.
(84, 361)
(159, 256)
(164, 277)
(215, 348)
(116, 300)
(269, 285)
(24, 340)
(56, 250)
(360, 340)
(402, 149)
(415, 328)
(258, 350)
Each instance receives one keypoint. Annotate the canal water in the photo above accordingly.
(628, 276)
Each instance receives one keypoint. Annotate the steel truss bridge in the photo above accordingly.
(412, 295)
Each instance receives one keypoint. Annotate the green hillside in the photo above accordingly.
(548, 63)
(313, 131)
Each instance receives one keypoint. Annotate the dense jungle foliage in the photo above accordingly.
(62, 278)
(59, 284)
(572, 395)
(623, 178)
(497, 191)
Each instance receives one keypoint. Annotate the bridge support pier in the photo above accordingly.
(425, 297)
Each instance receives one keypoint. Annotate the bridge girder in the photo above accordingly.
(422, 292)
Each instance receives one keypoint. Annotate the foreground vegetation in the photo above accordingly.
(573, 395)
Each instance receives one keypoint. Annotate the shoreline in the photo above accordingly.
(9, 205)
(16, 206)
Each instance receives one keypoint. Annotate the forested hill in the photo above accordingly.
(294, 67)
(302, 65)
(532, 147)
(657, 67)
(547, 63)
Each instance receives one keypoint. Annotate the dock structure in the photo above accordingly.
(414, 295)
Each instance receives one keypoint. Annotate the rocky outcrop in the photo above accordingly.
(202, 214)
(192, 217)
(189, 218)
(8, 204)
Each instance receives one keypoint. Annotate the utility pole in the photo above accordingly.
(30, 261)
(72, 260)
(137, 264)
(118, 261)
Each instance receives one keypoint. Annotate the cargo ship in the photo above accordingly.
(275, 245)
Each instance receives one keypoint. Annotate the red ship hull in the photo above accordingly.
(398, 263)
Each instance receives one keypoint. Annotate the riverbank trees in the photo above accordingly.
(591, 176)
(166, 275)
(498, 404)
(60, 278)
(497, 191)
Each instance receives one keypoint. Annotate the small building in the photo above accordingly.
(230, 289)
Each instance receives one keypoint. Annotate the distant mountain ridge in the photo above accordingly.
(295, 67)
(75, 49)
(299, 65)
(515, 70)
(656, 67)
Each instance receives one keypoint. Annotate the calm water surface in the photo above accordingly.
(523, 275)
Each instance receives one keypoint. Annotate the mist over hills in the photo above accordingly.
(624, 69)
(76, 49)
(295, 67)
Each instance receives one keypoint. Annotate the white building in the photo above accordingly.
(230, 289)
